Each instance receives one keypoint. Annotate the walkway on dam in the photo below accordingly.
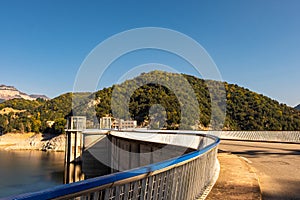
(277, 166)
(237, 180)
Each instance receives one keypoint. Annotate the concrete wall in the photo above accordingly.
(96, 155)
(190, 141)
(107, 153)
(128, 153)
(267, 136)
(73, 146)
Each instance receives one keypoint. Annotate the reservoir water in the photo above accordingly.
(29, 171)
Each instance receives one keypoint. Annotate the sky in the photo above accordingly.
(254, 43)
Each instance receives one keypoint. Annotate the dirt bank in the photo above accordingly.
(32, 141)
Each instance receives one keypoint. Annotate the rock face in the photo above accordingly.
(33, 142)
(10, 92)
(55, 144)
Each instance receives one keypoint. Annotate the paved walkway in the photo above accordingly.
(237, 180)
(277, 166)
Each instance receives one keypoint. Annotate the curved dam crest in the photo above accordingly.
(136, 168)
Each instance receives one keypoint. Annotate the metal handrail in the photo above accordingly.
(102, 182)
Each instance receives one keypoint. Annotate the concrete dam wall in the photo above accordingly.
(137, 165)
(108, 153)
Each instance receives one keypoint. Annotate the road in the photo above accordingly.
(276, 164)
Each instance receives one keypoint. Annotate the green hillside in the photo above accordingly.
(37, 113)
(245, 110)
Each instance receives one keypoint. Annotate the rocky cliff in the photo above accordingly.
(10, 92)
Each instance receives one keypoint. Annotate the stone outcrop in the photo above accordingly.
(55, 144)
(43, 142)
(10, 92)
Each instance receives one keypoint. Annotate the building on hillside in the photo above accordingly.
(124, 124)
(110, 123)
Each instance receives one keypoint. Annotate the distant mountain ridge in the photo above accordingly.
(42, 96)
(297, 107)
(10, 92)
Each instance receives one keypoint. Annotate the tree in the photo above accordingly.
(59, 125)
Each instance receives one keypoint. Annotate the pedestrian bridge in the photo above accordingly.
(140, 165)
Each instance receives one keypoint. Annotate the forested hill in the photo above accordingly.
(245, 110)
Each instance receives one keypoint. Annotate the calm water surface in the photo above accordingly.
(28, 171)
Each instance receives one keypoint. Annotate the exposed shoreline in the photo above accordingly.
(32, 141)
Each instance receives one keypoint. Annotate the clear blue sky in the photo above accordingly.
(255, 43)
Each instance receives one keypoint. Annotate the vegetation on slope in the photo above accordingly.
(245, 110)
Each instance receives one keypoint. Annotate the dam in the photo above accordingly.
(161, 164)
(136, 165)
